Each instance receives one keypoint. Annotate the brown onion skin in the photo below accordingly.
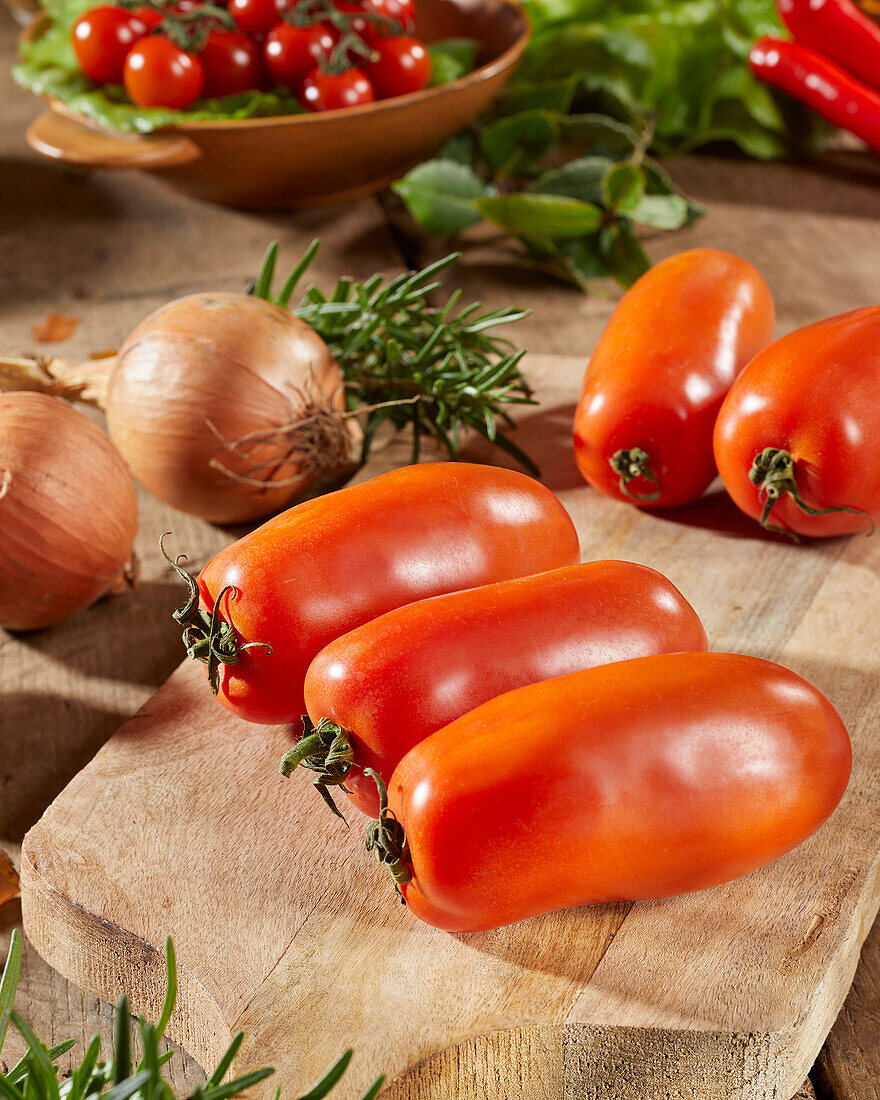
(68, 512)
(239, 362)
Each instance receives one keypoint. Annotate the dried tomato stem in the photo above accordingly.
(324, 748)
(207, 637)
(632, 464)
(386, 838)
(773, 473)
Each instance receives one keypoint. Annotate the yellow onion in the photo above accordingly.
(68, 513)
(227, 406)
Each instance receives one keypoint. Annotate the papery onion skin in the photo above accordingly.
(211, 368)
(68, 512)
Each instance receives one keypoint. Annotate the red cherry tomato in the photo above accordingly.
(797, 440)
(331, 91)
(101, 40)
(150, 17)
(404, 65)
(640, 779)
(669, 353)
(160, 74)
(400, 17)
(232, 63)
(254, 16)
(291, 52)
(326, 566)
(394, 681)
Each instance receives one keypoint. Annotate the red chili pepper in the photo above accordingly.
(838, 29)
(821, 84)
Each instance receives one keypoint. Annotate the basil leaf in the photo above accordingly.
(579, 179)
(661, 211)
(623, 187)
(512, 144)
(442, 195)
(541, 217)
(452, 58)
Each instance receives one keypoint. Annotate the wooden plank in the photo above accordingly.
(725, 993)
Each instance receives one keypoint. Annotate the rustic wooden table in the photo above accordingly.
(109, 248)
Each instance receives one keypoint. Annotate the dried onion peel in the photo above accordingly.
(227, 406)
(68, 512)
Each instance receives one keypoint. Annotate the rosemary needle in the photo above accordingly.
(437, 370)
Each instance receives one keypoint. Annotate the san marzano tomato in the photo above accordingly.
(640, 779)
(326, 566)
(397, 679)
(653, 387)
(797, 440)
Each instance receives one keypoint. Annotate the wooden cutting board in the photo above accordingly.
(283, 927)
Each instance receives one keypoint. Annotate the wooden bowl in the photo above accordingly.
(308, 159)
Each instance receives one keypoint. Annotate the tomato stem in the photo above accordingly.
(773, 473)
(386, 838)
(324, 748)
(632, 464)
(207, 637)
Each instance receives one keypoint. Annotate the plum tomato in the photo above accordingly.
(101, 39)
(254, 17)
(290, 52)
(403, 66)
(331, 91)
(232, 63)
(160, 74)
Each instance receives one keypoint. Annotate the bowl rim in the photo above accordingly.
(496, 67)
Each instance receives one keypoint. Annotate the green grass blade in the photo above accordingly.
(374, 1089)
(294, 277)
(128, 1087)
(9, 982)
(233, 1088)
(263, 286)
(330, 1079)
(171, 989)
(226, 1061)
(122, 1042)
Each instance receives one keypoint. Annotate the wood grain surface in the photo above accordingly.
(109, 248)
(181, 824)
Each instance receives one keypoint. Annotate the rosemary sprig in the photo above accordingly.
(437, 370)
(35, 1077)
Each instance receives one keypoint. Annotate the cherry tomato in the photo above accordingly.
(400, 17)
(394, 681)
(102, 38)
(331, 91)
(404, 65)
(640, 779)
(330, 564)
(291, 52)
(254, 16)
(668, 355)
(797, 440)
(150, 17)
(232, 63)
(160, 74)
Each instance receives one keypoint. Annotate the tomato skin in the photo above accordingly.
(334, 91)
(160, 74)
(399, 678)
(102, 38)
(669, 353)
(232, 63)
(150, 17)
(816, 394)
(254, 17)
(641, 779)
(291, 52)
(404, 66)
(330, 564)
